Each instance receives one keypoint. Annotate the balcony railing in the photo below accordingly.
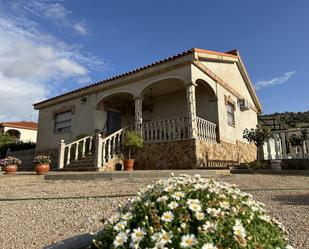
(206, 130)
(165, 130)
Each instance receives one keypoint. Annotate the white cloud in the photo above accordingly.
(35, 65)
(55, 11)
(80, 28)
(275, 81)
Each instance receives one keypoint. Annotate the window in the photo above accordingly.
(230, 114)
(62, 122)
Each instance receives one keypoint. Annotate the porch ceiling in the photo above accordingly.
(163, 87)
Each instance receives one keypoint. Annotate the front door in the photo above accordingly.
(113, 121)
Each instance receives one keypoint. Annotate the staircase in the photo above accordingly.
(91, 153)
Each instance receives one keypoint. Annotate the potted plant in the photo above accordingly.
(132, 140)
(10, 164)
(42, 163)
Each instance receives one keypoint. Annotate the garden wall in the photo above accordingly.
(192, 154)
(231, 153)
(167, 155)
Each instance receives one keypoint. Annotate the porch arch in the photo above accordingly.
(117, 111)
(206, 101)
(164, 99)
(14, 133)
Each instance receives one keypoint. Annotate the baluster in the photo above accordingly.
(173, 129)
(146, 132)
(119, 143)
(156, 130)
(84, 148)
(182, 128)
(104, 151)
(164, 130)
(108, 149)
(200, 128)
(69, 155)
(160, 130)
(76, 151)
(90, 145)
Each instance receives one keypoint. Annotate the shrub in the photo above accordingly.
(132, 140)
(258, 136)
(191, 212)
(14, 146)
(10, 161)
(258, 165)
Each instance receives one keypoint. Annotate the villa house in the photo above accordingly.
(191, 110)
(20, 131)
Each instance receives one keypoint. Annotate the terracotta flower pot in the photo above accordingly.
(42, 169)
(129, 164)
(10, 169)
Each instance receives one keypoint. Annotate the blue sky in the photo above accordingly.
(51, 46)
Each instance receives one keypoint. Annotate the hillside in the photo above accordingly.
(291, 119)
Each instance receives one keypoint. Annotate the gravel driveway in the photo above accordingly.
(65, 210)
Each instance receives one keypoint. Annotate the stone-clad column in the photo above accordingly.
(138, 112)
(191, 109)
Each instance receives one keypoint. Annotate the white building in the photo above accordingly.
(21, 131)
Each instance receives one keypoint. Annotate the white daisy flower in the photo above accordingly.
(209, 246)
(121, 225)
(138, 234)
(162, 198)
(194, 205)
(209, 227)
(178, 195)
(173, 205)
(200, 215)
(188, 241)
(120, 239)
(127, 216)
(167, 216)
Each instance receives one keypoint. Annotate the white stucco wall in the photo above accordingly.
(26, 135)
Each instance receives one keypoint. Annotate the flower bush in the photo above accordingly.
(10, 161)
(40, 159)
(191, 212)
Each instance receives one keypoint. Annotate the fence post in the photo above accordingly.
(61, 154)
(98, 151)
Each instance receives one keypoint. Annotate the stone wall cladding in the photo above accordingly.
(240, 152)
(167, 155)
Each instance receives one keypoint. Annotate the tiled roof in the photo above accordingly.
(140, 69)
(22, 124)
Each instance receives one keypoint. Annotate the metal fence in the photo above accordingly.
(26, 156)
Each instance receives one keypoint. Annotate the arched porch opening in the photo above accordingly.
(206, 102)
(164, 99)
(118, 110)
(15, 134)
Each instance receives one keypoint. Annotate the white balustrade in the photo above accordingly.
(279, 147)
(165, 130)
(81, 148)
(111, 146)
(206, 130)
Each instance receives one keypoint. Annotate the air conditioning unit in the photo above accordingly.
(244, 105)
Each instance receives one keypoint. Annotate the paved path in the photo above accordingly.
(37, 212)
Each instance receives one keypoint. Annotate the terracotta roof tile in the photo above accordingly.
(137, 70)
(22, 124)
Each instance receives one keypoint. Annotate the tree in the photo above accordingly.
(258, 136)
(132, 140)
(5, 140)
(299, 140)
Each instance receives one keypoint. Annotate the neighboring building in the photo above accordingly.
(21, 131)
(192, 109)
